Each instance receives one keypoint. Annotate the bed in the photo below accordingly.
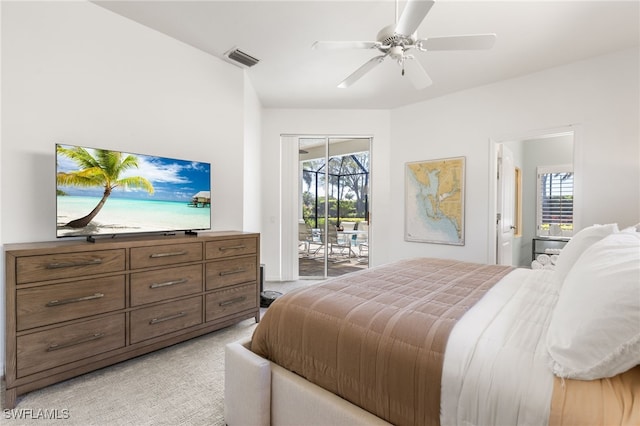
(439, 341)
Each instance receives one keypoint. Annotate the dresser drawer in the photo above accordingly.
(229, 272)
(229, 248)
(154, 286)
(68, 265)
(168, 254)
(155, 321)
(230, 301)
(50, 304)
(51, 348)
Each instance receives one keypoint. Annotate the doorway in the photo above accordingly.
(516, 164)
(333, 207)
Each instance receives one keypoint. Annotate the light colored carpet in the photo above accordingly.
(179, 385)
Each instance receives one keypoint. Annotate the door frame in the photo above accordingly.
(578, 162)
(289, 198)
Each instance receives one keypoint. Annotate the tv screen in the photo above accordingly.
(103, 192)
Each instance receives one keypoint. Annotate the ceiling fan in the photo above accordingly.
(397, 40)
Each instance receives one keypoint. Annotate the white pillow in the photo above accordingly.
(578, 244)
(634, 228)
(595, 327)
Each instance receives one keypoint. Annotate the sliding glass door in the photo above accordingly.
(333, 219)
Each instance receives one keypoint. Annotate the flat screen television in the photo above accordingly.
(104, 192)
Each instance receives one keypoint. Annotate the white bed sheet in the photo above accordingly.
(496, 369)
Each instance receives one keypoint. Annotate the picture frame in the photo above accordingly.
(434, 201)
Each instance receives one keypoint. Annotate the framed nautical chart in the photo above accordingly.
(434, 201)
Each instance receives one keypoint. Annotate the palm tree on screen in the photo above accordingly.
(103, 169)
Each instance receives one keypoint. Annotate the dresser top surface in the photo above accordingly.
(103, 243)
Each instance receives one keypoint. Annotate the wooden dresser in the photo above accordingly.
(74, 306)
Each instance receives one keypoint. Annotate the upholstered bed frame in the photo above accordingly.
(261, 393)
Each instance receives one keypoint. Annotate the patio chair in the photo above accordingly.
(307, 239)
(362, 240)
(348, 226)
(304, 239)
(337, 246)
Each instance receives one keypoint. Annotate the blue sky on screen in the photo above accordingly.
(172, 179)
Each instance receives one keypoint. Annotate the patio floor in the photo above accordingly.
(314, 267)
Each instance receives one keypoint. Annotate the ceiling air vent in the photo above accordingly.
(240, 58)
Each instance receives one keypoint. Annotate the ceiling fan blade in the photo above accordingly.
(462, 42)
(360, 72)
(330, 45)
(416, 73)
(412, 16)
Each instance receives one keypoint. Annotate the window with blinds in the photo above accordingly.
(555, 201)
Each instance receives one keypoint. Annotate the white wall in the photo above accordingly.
(600, 95)
(275, 122)
(252, 158)
(74, 72)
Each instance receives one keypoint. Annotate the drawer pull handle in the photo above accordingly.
(75, 300)
(235, 271)
(56, 346)
(240, 247)
(232, 301)
(57, 265)
(168, 283)
(170, 317)
(168, 254)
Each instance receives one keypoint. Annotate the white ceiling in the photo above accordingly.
(531, 36)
